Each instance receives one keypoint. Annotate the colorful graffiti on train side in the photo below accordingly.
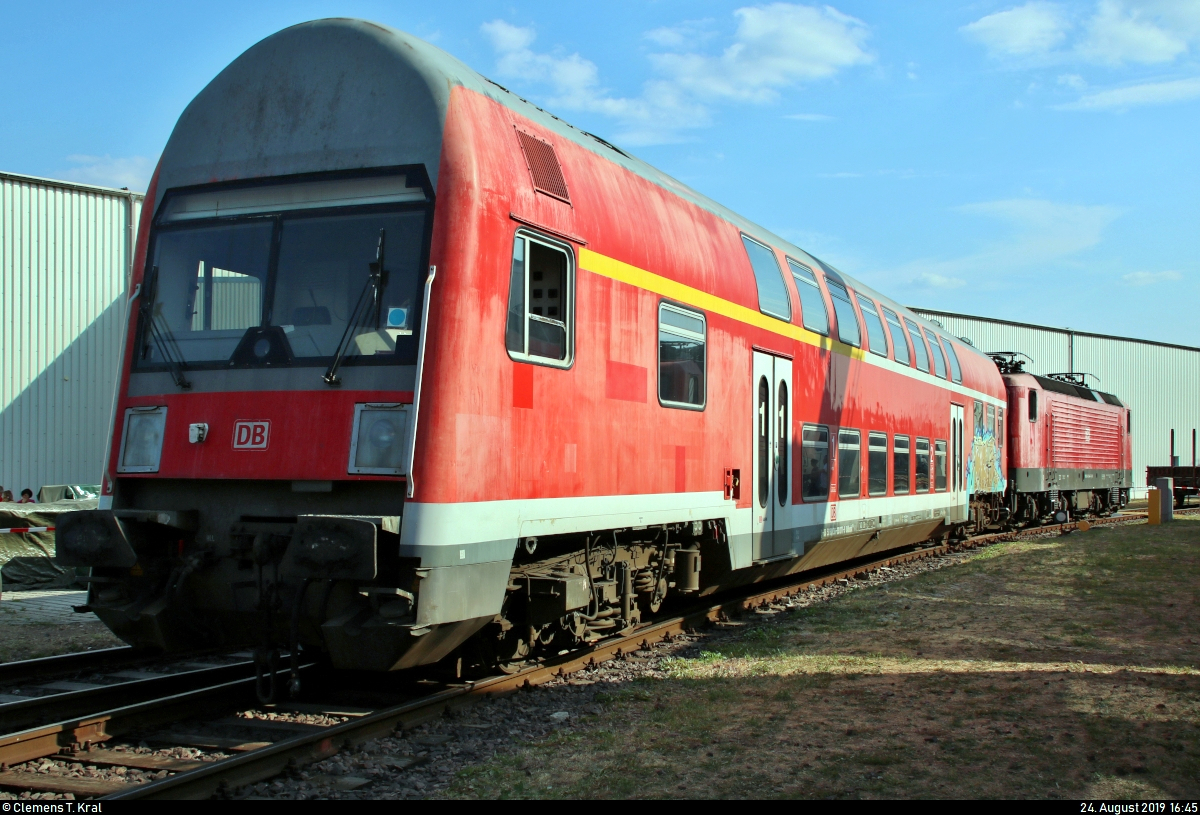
(984, 471)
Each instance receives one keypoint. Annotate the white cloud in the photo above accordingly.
(1146, 93)
(1150, 278)
(1072, 81)
(1045, 230)
(1032, 234)
(105, 171)
(1120, 33)
(808, 117)
(775, 47)
(937, 281)
(839, 175)
(684, 35)
(1034, 28)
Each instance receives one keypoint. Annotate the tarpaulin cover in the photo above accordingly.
(27, 558)
(62, 492)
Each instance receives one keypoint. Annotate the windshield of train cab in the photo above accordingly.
(302, 273)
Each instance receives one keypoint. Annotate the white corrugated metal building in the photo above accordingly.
(1159, 381)
(65, 254)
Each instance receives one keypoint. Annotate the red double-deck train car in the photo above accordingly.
(415, 368)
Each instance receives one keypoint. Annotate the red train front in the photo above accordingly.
(416, 369)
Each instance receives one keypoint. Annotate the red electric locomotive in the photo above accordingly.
(1070, 451)
(416, 369)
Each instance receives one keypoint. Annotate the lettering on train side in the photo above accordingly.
(251, 435)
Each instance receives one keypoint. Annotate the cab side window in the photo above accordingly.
(540, 301)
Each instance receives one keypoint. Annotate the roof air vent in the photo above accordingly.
(544, 167)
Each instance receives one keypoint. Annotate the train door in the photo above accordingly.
(958, 481)
(772, 456)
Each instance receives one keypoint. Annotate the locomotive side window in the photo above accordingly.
(875, 336)
(1033, 406)
(539, 301)
(939, 465)
(939, 364)
(999, 427)
(991, 419)
(918, 346)
(847, 320)
(772, 292)
(849, 463)
(812, 304)
(922, 465)
(899, 343)
(877, 464)
(814, 456)
(955, 369)
(680, 357)
(900, 465)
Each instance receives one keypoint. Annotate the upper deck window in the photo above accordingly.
(952, 358)
(772, 293)
(875, 337)
(899, 343)
(918, 346)
(939, 362)
(292, 262)
(812, 304)
(847, 320)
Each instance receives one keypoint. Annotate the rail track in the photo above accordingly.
(246, 742)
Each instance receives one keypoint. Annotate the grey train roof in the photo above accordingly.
(347, 94)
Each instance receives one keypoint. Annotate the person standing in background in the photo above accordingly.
(27, 497)
(7, 498)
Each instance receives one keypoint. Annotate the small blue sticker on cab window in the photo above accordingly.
(397, 318)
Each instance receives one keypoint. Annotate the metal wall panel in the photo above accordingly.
(1159, 382)
(64, 261)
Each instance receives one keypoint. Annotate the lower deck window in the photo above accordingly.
(680, 357)
(849, 463)
(939, 465)
(877, 464)
(901, 465)
(814, 456)
(922, 465)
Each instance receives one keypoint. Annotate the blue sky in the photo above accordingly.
(1029, 161)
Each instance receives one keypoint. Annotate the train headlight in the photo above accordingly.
(141, 441)
(378, 442)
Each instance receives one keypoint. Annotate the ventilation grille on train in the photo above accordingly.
(544, 167)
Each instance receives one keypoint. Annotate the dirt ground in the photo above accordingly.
(32, 640)
(1060, 668)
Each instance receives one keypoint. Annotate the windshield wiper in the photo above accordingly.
(163, 339)
(371, 297)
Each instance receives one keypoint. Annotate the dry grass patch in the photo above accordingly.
(1063, 668)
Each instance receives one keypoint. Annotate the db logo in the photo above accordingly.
(251, 435)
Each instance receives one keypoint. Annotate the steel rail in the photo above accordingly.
(26, 670)
(55, 707)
